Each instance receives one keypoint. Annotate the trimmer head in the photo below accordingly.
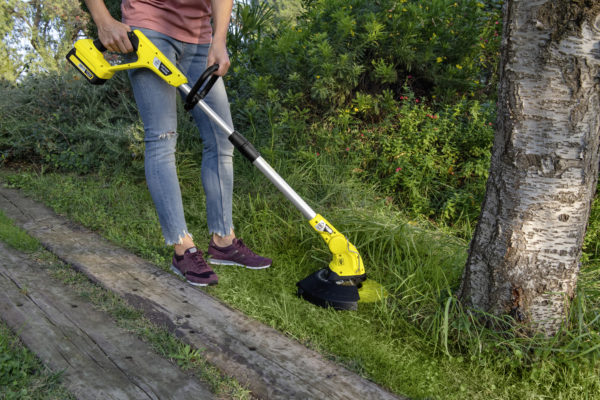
(325, 289)
(320, 289)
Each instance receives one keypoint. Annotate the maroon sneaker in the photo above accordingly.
(193, 268)
(237, 254)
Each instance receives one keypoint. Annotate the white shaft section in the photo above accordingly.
(259, 163)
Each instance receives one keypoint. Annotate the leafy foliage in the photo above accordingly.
(389, 87)
(36, 35)
(338, 47)
(433, 164)
(68, 127)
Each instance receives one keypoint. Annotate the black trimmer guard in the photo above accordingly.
(317, 289)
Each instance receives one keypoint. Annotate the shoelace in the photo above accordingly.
(241, 247)
(199, 264)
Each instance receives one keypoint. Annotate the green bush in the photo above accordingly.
(376, 85)
(61, 122)
(338, 47)
(399, 92)
(432, 164)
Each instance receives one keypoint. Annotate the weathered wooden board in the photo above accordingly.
(99, 359)
(270, 364)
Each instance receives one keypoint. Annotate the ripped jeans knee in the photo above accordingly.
(167, 135)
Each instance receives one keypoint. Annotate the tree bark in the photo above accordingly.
(524, 258)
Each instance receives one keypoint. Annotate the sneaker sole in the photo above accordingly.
(178, 272)
(227, 262)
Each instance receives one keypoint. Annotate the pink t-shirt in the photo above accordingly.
(184, 20)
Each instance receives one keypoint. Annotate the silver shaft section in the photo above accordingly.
(286, 189)
(209, 111)
(259, 163)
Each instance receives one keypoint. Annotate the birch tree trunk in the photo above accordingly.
(524, 258)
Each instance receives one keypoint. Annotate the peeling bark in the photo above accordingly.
(524, 258)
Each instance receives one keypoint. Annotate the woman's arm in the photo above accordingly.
(217, 54)
(112, 33)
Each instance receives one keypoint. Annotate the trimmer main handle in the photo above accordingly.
(132, 38)
(87, 56)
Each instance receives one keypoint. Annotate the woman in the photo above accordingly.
(182, 30)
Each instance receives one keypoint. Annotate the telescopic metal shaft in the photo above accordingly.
(255, 158)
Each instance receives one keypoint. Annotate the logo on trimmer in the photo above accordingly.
(161, 67)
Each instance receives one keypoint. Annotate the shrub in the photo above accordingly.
(388, 88)
(337, 48)
(62, 122)
(397, 92)
(431, 164)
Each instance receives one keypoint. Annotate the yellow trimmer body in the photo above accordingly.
(346, 261)
(88, 57)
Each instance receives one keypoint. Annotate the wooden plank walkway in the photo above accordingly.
(270, 364)
(99, 360)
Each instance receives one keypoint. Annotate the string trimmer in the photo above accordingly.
(342, 284)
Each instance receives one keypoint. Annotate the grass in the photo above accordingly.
(15, 237)
(418, 343)
(22, 376)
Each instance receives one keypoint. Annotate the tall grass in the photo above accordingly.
(419, 342)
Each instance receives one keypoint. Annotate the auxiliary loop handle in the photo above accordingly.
(193, 96)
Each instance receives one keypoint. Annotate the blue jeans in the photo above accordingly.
(156, 101)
